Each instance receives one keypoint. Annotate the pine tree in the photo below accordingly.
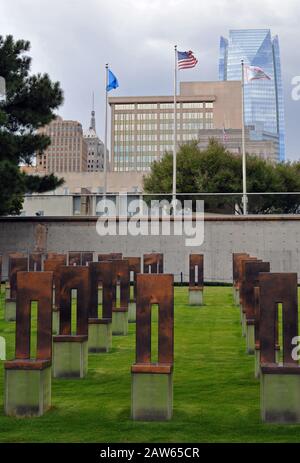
(30, 104)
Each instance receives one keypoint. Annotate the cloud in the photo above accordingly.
(72, 40)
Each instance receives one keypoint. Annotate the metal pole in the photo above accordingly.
(175, 125)
(105, 133)
(245, 199)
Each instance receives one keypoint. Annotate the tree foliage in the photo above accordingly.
(30, 104)
(216, 170)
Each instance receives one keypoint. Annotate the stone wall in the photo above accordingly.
(272, 238)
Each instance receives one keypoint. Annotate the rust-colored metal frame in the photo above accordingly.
(53, 265)
(101, 272)
(154, 289)
(196, 260)
(86, 257)
(274, 289)
(33, 286)
(53, 255)
(17, 263)
(73, 278)
(35, 262)
(120, 274)
(110, 256)
(134, 264)
(250, 281)
(241, 268)
(153, 262)
(74, 258)
(235, 266)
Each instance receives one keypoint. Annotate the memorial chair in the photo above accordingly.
(153, 263)
(152, 383)
(74, 258)
(235, 276)
(134, 264)
(250, 281)
(35, 262)
(53, 264)
(241, 271)
(256, 334)
(17, 263)
(120, 297)
(196, 279)
(100, 328)
(279, 382)
(107, 257)
(7, 283)
(70, 350)
(86, 258)
(27, 379)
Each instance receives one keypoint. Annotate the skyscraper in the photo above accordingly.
(263, 99)
(67, 151)
(95, 147)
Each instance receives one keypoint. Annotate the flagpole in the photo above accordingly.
(175, 125)
(245, 199)
(105, 133)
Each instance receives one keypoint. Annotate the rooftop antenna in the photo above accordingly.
(93, 120)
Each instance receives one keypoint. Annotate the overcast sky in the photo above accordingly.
(73, 39)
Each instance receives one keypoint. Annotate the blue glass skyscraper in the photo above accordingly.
(264, 108)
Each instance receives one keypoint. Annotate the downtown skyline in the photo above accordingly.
(140, 50)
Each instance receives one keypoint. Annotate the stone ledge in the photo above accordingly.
(27, 364)
(70, 338)
(120, 309)
(100, 321)
(279, 369)
(152, 368)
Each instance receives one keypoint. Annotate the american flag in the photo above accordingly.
(254, 73)
(186, 59)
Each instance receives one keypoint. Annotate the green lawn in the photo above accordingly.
(216, 398)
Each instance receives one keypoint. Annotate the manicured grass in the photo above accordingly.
(216, 397)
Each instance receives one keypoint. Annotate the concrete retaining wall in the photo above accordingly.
(272, 238)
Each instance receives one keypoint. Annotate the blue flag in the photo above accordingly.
(112, 81)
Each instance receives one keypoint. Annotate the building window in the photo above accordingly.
(119, 107)
(192, 115)
(192, 105)
(147, 106)
(168, 105)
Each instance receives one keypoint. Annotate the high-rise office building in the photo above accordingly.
(142, 127)
(264, 108)
(68, 150)
(95, 147)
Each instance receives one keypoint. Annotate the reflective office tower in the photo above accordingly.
(264, 107)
